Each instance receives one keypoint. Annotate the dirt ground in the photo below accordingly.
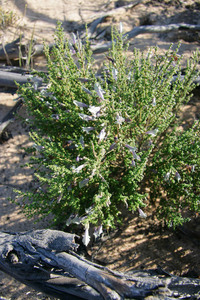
(140, 243)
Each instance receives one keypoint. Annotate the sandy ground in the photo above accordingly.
(139, 244)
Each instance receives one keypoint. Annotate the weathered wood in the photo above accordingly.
(11, 50)
(9, 79)
(100, 48)
(46, 261)
(9, 117)
(161, 29)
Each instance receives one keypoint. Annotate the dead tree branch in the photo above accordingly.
(9, 79)
(100, 48)
(46, 261)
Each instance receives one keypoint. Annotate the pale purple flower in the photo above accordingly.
(154, 101)
(99, 90)
(130, 147)
(88, 129)
(114, 73)
(86, 236)
(119, 119)
(102, 135)
(83, 183)
(177, 176)
(74, 219)
(55, 116)
(89, 210)
(192, 168)
(152, 132)
(141, 213)
(59, 198)
(78, 169)
(74, 39)
(133, 163)
(82, 141)
(113, 146)
(167, 176)
(94, 110)
(86, 90)
(121, 27)
(135, 155)
(98, 231)
(80, 104)
(38, 147)
(86, 117)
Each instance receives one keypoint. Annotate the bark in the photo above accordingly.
(46, 260)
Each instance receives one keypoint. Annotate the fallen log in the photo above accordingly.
(47, 261)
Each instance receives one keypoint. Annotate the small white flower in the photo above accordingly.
(86, 236)
(80, 104)
(86, 117)
(99, 90)
(177, 176)
(167, 176)
(82, 141)
(102, 135)
(94, 110)
(74, 219)
(88, 129)
(78, 169)
(141, 213)
(121, 27)
(119, 119)
(152, 132)
(98, 231)
(114, 73)
(154, 101)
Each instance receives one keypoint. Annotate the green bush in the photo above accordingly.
(109, 142)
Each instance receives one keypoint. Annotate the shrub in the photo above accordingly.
(108, 141)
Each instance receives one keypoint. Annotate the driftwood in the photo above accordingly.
(47, 261)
